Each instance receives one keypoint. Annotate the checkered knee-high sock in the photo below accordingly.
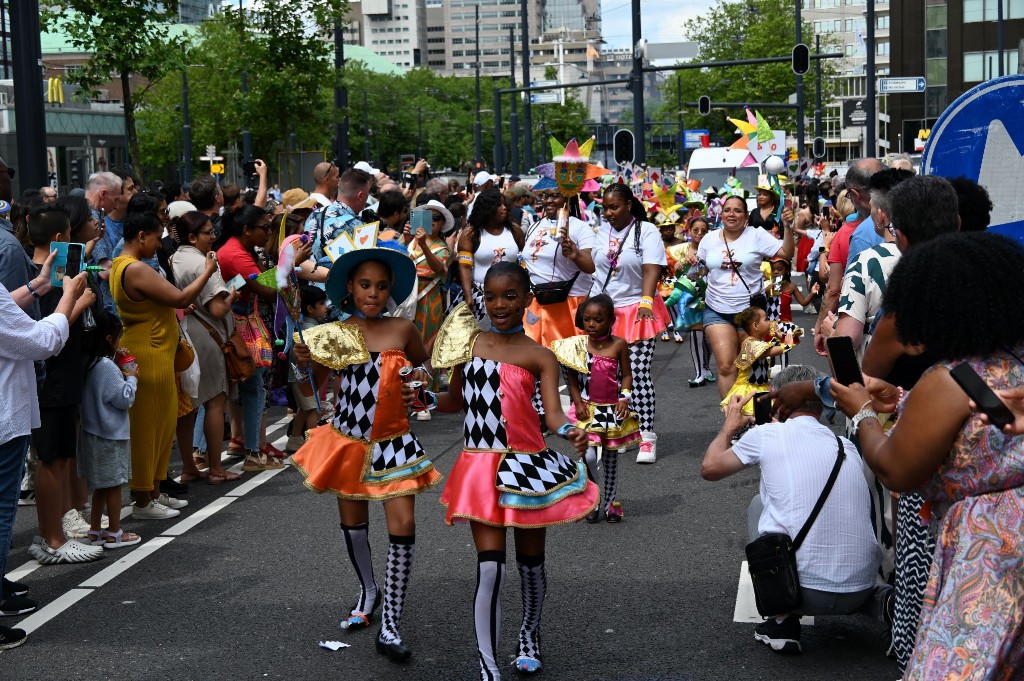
(707, 352)
(700, 360)
(357, 542)
(590, 458)
(490, 579)
(611, 476)
(782, 360)
(534, 579)
(401, 552)
(641, 354)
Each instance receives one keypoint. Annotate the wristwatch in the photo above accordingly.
(821, 249)
(861, 415)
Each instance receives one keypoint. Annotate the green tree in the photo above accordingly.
(124, 38)
(746, 29)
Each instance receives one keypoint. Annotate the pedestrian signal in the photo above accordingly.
(704, 105)
(801, 59)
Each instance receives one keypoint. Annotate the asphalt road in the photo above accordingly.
(252, 576)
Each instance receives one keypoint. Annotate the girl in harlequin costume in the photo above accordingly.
(753, 361)
(599, 381)
(780, 293)
(367, 452)
(688, 301)
(495, 483)
(675, 253)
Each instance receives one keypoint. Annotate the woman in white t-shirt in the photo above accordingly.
(553, 257)
(628, 259)
(733, 257)
(489, 239)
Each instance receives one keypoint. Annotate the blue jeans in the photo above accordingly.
(253, 396)
(712, 317)
(199, 431)
(12, 467)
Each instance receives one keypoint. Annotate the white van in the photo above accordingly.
(713, 166)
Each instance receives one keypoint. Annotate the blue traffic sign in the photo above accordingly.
(980, 136)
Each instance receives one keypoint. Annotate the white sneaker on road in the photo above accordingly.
(171, 502)
(154, 511)
(423, 416)
(648, 448)
(74, 525)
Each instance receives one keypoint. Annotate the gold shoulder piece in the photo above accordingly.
(750, 352)
(571, 352)
(454, 341)
(336, 345)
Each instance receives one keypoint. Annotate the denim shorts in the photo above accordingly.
(711, 317)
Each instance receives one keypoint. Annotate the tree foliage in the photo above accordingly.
(745, 29)
(124, 38)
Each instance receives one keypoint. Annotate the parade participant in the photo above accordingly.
(104, 454)
(490, 238)
(600, 382)
(628, 259)
(558, 251)
(780, 294)
(692, 288)
(752, 362)
(733, 256)
(491, 485)
(763, 214)
(431, 255)
(367, 452)
(675, 253)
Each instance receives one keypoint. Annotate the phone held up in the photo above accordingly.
(422, 219)
(843, 360)
(762, 408)
(249, 168)
(69, 262)
(976, 388)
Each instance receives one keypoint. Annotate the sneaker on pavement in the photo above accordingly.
(782, 637)
(13, 588)
(75, 526)
(13, 606)
(104, 520)
(153, 511)
(11, 638)
(423, 416)
(70, 552)
(646, 453)
(171, 502)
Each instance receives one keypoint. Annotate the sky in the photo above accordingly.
(662, 20)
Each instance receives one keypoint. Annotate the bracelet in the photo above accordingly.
(300, 373)
(647, 302)
(624, 395)
(465, 258)
(28, 285)
(563, 430)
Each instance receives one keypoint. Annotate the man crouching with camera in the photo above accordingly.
(802, 562)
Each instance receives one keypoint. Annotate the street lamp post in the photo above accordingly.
(679, 121)
(513, 121)
(186, 128)
(524, 31)
(246, 136)
(366, 127)
(637, 83)
(340, 98)
(477, 131)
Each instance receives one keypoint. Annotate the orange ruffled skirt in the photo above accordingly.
(333, 462)
(627, 327)
(471, 494)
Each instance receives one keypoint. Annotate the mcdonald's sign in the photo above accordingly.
(54, 91)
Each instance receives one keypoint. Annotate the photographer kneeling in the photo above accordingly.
(838, 561)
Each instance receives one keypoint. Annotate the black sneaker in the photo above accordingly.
(172, 488)
(16, 605)
(782, 638)
(13, 589)
(11, 638)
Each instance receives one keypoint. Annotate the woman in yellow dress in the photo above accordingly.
(146, 303)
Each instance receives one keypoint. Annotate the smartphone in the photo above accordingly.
(762, 408)
(843, 360)
(237, 283)
(789, 203)
(69, 262)
(249, 168)
(422, 219)
(976, 388)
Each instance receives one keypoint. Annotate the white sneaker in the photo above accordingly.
(648, 448)
(74, 525)
(154, 511)
(423, 416)
(171, 502)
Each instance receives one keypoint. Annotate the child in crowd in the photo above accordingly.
(599, 379)
(367, 452)
(753, 361)
(496, 481)
(104, 455)
(314, 311)
(780, 294)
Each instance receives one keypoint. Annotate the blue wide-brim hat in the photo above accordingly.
(394, 256)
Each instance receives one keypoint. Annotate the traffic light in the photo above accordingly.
(622, 146)
(76, 173)
(801, 59)
(704, 105)
(818, 147)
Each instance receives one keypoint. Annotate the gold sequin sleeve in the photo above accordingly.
(750, 352)
(453, 344)
(336, 345)
(571, 352)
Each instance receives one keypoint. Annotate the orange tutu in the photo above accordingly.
(627, 327)
(471, 494)
(333, 462)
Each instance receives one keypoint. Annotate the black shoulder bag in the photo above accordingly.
(771, 559)
(759, 299)
(553, 292)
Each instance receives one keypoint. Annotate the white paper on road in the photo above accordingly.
(334, 645)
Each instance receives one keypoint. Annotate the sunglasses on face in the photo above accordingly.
(437, 218)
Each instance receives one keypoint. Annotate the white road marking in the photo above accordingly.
(108, 573)
(52, 609)
(746, 607)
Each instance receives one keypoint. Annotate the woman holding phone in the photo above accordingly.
(429, 251)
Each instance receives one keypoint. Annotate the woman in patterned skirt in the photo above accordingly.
(506, 476)
(367, 452)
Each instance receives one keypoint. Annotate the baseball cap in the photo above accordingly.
(483, 177)
(519, 192)
(175, 209)
(366, 168)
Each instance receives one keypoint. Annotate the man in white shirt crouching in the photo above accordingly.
(839, 558)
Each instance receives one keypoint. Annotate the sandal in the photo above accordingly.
(222, 477)
(200, 459)
(273, 452)
(119, 539)
(525, 664)
(192, 477)
(95, 538)
(358, 620)
(235, 445)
